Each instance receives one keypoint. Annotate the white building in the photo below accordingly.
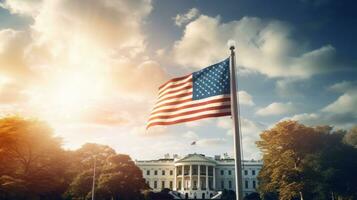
(198, 176)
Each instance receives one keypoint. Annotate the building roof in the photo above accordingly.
(190, 158)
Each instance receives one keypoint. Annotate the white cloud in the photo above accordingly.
(343, 86)
(276, 108)
(245, 98)
(28, 7)
(340, 113)
(190, 135)
(344, 104)
(182, 19)
(211, 142)
(204, 42)
(250, 134)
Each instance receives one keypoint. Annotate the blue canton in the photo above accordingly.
(211, 81)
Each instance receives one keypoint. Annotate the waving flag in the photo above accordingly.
(202, 94)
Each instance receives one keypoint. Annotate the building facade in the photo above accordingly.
(198, 176)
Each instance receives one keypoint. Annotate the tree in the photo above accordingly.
(228, 195)
(32, 161)
(306, 162)
(116, 174)
(351, 137)
(252, 196)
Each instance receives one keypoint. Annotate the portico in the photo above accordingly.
(195, 176)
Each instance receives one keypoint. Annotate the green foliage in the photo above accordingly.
(306, 162)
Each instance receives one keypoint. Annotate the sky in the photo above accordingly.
(91, 69)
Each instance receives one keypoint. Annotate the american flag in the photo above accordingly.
(202, 94)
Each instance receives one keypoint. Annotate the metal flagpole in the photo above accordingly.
(93, 185)
(236, 135)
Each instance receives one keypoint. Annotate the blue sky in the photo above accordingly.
(91, 69)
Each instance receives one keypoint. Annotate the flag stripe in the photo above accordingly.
(189, 112)
(183, 97)
(185, 86)
(187, 101)
(176, 94)
(191, 104)
(200, 95)
(174, 82)
(189, 119)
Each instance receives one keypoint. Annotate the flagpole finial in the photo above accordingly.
(231, 44)
(232, 48)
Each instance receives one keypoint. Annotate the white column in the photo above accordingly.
(175, 179)
(207, 177)
(199, 177)
(190, 177)
(214, 178)
(182, 179)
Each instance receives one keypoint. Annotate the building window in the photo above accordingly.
(171, 172)
(179, 185)
(171, 185)
(230, 184)
(222, 172)
(162, 184)
(155, 172)
(155, 184)
(163, 172)
(194, 184)
(245, 172)
(148, 172)
(229, 172)
(254, 184)
(222, 184)
(253, 172)
(246, 184)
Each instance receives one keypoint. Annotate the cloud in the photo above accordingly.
(339, 113)
(250, 131)
(190, 135)
(346, 102)
(144, 78)
(245, 98)
(211, 142)
(276, 108)
(343, 86)
(204, 42)
(21, 7)
(182, 19)
(12, 54)
(103, 26)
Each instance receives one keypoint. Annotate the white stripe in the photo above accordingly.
(190, 102)
(176, 88)
(174, 94)
(190, 109)
(189, 96)
(190, 116)
(175, 83)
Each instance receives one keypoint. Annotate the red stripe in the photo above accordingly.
(175, 96)
(177, 90)
(191, 112)
(173, 103)
(174, 80)
(189, 119)
(174, 86)
(193, 105)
